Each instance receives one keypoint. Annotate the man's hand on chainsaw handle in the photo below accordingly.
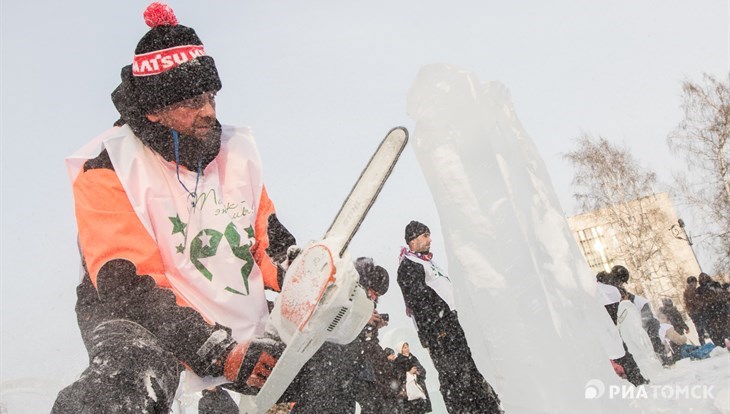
(282, 263)
(291, 253)
(249, 364)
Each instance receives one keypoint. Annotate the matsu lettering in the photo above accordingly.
(160, 61)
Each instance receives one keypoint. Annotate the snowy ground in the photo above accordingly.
(687, 387)
(701, 387)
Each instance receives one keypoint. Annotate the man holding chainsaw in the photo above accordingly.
(178, 239)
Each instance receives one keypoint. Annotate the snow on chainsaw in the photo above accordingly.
(321, 299)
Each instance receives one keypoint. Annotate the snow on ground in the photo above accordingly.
(701, 387)
(689, 387)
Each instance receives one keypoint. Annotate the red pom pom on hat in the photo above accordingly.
(159, 14)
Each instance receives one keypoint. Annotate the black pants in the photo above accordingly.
(374, 400)
(129, 372)
(633, 374)
(463, 387)
(700, 326)
(325, 383)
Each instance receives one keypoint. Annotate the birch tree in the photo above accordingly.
(610, 183)
(702, 138)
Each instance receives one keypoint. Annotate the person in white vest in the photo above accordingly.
(429, 298)
(619, 277)
(610, 297)
(178, 239)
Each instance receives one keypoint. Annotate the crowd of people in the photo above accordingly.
(708, 305)
(707, 302)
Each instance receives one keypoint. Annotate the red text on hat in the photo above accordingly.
(154, 63)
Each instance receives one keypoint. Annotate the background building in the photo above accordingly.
(645, 236)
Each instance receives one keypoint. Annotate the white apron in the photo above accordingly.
(435, 279)
(205, 249)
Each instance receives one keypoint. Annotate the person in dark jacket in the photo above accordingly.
(412, 376)
(428, 296)
(338, 376)
(396, 392)
(692, 304)
(371, 384)
(714, 305)
(674, 316)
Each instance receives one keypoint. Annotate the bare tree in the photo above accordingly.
(703, 139)
(611, 185)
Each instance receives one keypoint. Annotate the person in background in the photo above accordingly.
(674, 316)
(429, 299)
(396, 392)
(370, 384)
(611, 297)
(714, 305)
(412, 377)
(339, 376)
(676, 344)
(619, 276)
(692, 304)
(671, 338)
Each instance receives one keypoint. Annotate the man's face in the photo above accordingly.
(421, 244)
(193, 117)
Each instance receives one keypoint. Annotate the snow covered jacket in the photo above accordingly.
(403, 364)
(140, 259)
(425, 304)
(691, 301)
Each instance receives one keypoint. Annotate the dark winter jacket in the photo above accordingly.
(675, 318)
(714, 306)
(426, 306)
(691, 302)
(403, 365)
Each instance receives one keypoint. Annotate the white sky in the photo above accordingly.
(320, 83)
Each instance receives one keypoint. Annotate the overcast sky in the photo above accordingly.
(320, 83)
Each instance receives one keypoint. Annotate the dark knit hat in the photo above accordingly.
(170, 64)
(415, 229)
(389, 351)
(603, 277)
(620, 274)
(372, 276)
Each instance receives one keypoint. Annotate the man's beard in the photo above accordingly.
(210, 126)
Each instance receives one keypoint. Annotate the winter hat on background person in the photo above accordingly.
(372, 276)
(389, 351)
(603, 277)
(620, 274)
(415, 229)
(169, 65)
